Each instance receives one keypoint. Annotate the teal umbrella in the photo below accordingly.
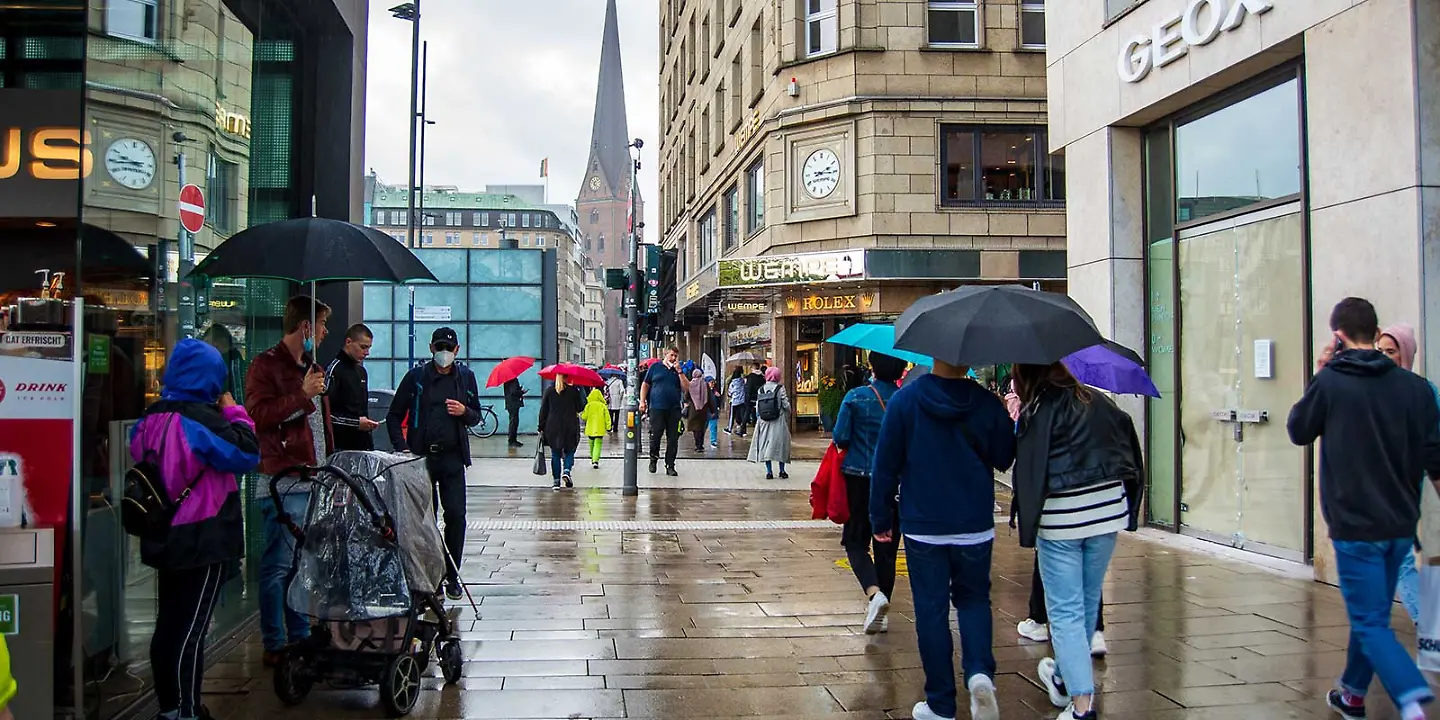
(877, 338)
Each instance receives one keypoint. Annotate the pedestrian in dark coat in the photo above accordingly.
(560, 409)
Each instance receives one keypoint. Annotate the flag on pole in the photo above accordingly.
(545, 168)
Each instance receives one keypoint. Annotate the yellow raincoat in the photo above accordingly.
(7, 681)
(596, 415)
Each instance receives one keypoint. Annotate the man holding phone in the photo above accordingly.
(440, 399)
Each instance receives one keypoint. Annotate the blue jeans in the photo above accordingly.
(279, 625)
(561, 461)
(1368, 573)
(942, 575)
(770, 467)
(1408, 587)
(1073, 573)
(714, 431)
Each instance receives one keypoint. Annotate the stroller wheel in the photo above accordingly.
(451, 661)
(400, 687)
(292, 679)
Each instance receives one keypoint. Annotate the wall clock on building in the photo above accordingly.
(821, 173)
(594, 182)
(131, 163)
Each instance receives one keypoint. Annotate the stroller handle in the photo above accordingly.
(381, 520)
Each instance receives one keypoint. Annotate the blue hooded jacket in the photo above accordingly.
(940, 444)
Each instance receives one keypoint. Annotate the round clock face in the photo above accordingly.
(821, 173)
(131, 163)
(594, 182)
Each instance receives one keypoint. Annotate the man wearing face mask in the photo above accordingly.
(660, 396)
(438, 400)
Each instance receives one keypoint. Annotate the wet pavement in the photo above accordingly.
(805, 445)
(726, 603)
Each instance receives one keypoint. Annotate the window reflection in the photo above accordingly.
(1243, 154)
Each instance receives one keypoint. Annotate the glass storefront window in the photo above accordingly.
(1240, 155)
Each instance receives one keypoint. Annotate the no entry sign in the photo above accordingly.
(192, 208)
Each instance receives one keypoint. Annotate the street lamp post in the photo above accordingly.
(632, 338)
(411, 11)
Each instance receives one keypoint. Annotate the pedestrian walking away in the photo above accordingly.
(772, 428)
(1078, 482)
(438, 400)
(857, 430)
(661, 397)
(560, 409)
(596, 419)
(1036, 625)
(941, 440)
(736, 391)
(347, 386)
(199, 439)
(514, 400)
(1379, 430)
(713, 386)
(753, 382)
(1397, 342)
(615, 392)
(284, 396)
(698, 400)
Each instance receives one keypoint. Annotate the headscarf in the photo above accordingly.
(699, 391)
(772, 374)
(1404, 337)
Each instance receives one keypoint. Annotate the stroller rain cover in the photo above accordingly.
(346, 571)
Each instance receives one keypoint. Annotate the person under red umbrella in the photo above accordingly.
(508, 373)
(578, 375)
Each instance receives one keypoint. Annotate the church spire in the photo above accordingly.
(610, 138)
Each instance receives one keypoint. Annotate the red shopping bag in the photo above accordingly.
(828, 499)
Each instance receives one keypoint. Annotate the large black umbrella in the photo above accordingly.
(990, 325)
(310, 250)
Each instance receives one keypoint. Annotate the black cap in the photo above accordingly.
(447, 336)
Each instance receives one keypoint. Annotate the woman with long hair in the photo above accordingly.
(698, 402)
(560, 410)
(772, 425)
(1078, 482)
(1399, 344)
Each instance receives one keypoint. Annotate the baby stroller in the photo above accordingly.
(369, 562)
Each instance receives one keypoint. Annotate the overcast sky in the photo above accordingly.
(510, 83)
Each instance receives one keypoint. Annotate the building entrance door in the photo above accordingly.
(1242, 364)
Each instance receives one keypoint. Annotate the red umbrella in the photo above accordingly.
(613, 366)
(509, 369)
(647, 362)
(576, 374)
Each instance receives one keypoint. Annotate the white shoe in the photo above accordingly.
(1069, 713)
(983, 705)
(922, 711)
(875, 614)
(1097, 645)
(1058, 697)
(1031, 630)
(885, 624)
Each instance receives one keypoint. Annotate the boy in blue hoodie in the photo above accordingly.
(942, 439)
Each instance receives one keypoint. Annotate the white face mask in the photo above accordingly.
(444, 358)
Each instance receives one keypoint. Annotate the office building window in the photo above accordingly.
(1115, 7)
(427, 239)
(1032, 24)
(757, 64)
(452, 238)
(379, 217)
(220, 180)
(484, 219)
(510, 222)
(540, 241)
(452, 219)
(732, 217)
(430, 218)
(954, 23)
(999, 165)
(755, 198)
(400, 217)
(524, 219)
(137, 20)
(484, 239)
(594, 216)
(706, 238)
(737, 91)
(600, 243)
(822, 27)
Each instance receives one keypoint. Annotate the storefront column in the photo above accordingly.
(782, 344)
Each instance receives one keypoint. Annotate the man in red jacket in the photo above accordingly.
(284, 395)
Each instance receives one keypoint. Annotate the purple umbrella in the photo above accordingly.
(1111, 367)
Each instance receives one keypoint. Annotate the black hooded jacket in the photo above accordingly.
(1381, 427)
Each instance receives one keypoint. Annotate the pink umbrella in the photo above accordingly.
(576, 374)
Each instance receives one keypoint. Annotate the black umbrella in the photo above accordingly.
(310, 250)
(990, 325)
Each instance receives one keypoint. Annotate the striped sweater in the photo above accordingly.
(1085, 512)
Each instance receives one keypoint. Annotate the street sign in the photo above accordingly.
(9, 614)
(192, 208)
(432, 313)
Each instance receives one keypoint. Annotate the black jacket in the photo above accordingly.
(407, 404)
(560, 417)
(753, 383)
(1067, 444)
(348, 387)
(514, 395)
(1382, 434)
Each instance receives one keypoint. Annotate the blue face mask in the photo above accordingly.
(309, 344)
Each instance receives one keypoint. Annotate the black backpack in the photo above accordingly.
(767, 403)
(146, 510)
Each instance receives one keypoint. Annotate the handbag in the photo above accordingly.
(146, 509)
(828, 496)
(539, 468)
(1427, 631)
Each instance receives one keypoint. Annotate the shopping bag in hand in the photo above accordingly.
(1428, 633)
(539, 468)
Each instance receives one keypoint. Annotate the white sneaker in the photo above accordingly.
(1069, 713)
(983, 705)
(885, 624)
(875, 614)
(1031, 630)
(1097, 645)
(922, 711)
(1058, 697)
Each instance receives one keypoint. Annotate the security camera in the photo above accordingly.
(638, 144)
(180, 137)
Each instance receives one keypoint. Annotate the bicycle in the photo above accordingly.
(489, 423)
